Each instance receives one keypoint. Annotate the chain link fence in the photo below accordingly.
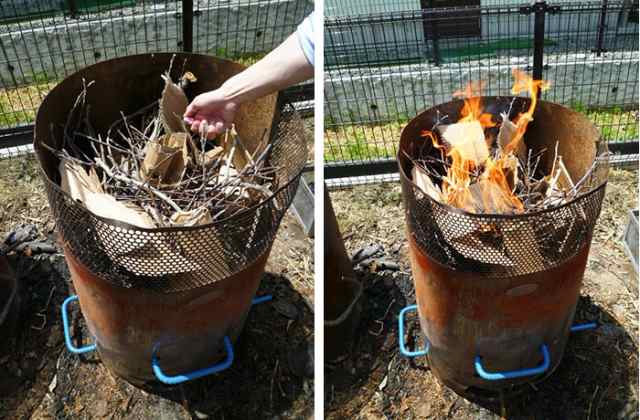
(384, 66)
(43, 41)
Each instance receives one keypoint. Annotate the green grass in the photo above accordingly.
(362, 142)
(490, 48)
(246, 59)
(19, 105)
(614, 123)
(379, 141)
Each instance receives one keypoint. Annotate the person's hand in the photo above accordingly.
(212, 112)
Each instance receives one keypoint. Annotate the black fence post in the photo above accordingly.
(73, 8)
(539, 10)
(602, 26)
(187, 25)
(430, 28)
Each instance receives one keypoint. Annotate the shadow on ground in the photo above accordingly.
(594, 380)
(270, 376)
(353, 376)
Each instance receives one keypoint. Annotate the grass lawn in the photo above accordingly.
(379, 141)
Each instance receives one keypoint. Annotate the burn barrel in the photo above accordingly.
(496, 294)
(183, 311)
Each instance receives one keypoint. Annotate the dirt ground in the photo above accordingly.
(598, 376)
(271, 376)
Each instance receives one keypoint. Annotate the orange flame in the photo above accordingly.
(472, 109)
(524, 83)
(493, 190)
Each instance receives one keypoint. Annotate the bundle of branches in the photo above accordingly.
(150, 171)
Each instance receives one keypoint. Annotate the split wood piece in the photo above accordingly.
(210, 157)
(166, 159)
(467, 240)
(215, 244)
(519, 242)
(423, 181)
(197, 217)
(234, 146)
(506, 135)
(468, 138)
(486, 197)
(173, 105)
(105, 205)
(75, 181)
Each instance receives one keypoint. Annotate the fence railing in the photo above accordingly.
(40, 45)
(384, 68)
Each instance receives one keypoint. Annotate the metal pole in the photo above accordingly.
(539, 10)
(430, 27)
(187, 25)
(601, 28)
(73, 8)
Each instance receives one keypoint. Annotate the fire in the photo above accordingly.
(472, 109)
(477, 180)
(523, 83)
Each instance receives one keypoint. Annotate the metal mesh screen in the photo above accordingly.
(384, 66)
(177, 259)
(500, 246)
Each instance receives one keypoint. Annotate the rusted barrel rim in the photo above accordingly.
(125, 225)
(402, 160)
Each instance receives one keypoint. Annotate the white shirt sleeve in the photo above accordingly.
(306, 38)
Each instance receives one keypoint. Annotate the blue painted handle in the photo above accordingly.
(403, 348)
(67, 334)
(261, 299)
(583, 327)
(219, 367)
(521, 373)
(178, 379)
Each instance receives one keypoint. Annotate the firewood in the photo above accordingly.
(422, 180)
(173, 105)
(467, 138)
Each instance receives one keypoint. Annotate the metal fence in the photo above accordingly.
(383, 68)
(41, 44)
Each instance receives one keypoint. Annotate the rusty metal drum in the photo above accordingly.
(492, 322)
(166, 304)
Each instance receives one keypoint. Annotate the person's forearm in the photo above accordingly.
(284, 66)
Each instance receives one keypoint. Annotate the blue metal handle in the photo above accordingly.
(403, 348)
(219, 367)
(497, 376)
(583, 327)
(67, 334)
(178, 379)
(261, 299)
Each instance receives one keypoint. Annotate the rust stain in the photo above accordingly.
(444, 293)
(128, 322)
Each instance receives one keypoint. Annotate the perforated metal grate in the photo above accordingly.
(177, 259)
(502, 245)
